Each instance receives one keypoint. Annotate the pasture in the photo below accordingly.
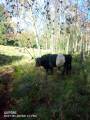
(28, 90)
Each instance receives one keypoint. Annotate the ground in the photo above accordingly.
(28, 90)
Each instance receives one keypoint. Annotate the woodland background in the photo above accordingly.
(31, 28)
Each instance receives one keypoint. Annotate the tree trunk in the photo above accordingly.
(37, 40)
(52, 42)
(67, 47)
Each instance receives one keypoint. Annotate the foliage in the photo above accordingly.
(70, 91)
(63, 95)
(60, 27)
(5, 59)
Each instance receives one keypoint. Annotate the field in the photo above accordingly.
(28, 90)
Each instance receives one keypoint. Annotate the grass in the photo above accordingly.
(67, 96)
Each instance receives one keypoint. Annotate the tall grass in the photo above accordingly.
(62, 95)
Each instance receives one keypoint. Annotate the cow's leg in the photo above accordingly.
(47, 70)
(51, 69)
(58, 68)
(64, 69)
(69, 63)
(69, 68)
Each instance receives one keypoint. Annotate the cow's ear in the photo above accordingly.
(37, 60)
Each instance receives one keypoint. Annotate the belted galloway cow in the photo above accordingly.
(49, 61)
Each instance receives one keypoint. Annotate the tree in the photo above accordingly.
(2, 24)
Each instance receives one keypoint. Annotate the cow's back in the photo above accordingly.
(45, 60)
(52, 59)
(49, 60)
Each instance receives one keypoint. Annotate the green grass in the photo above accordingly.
(69, 95)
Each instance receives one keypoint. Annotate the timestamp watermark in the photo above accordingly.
(8, 114)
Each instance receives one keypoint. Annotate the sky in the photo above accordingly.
(25, 21)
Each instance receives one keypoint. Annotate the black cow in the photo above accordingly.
(49, 61)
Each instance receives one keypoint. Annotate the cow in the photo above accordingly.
(49, 61)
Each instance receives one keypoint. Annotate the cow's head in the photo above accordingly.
(38, 62)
